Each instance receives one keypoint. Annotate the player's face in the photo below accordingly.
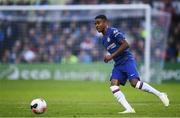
(100, 25)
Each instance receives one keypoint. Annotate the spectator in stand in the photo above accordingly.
(69, 58)
(23, 2)
(41, 2)
(6, 2)
(84, 57)
(6, 57)
(174, 35)
(178, 52)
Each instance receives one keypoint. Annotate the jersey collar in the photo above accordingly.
(107, 31)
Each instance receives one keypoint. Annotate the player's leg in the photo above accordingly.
(136, 83)
(115, 82)
(133, 77)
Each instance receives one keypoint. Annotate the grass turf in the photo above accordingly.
(82, 99)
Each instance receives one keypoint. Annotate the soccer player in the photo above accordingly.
(125, 66)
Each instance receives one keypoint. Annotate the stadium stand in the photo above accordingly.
(61, 43)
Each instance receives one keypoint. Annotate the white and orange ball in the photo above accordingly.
(38, 106)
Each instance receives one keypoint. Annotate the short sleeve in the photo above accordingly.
(118, 35)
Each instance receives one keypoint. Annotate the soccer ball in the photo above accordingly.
(38, 106)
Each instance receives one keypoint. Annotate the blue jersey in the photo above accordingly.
(112, 41)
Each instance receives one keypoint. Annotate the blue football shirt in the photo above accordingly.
(112, 41)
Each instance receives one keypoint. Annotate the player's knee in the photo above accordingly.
(114, 82)
(134, 82)
(114, 89)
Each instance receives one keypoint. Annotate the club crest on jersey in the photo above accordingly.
(108, 39)
(115, 31)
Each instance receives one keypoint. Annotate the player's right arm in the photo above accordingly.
(119, 38)
(124, 45)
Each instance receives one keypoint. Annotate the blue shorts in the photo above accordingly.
(127, 70)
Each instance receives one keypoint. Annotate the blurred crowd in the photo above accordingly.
(77, 41)
(53, 42)
(24, 2)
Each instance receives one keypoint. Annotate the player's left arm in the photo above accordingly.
(124, 46)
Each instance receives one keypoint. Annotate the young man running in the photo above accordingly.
(125, 66)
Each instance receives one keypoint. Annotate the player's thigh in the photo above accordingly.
(117, 77)
(131, 71)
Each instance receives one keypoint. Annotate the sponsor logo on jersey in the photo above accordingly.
(111, 46)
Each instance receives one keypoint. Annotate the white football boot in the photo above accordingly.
(127, 111)
(163, 97)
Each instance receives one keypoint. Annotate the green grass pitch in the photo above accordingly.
(83, 99)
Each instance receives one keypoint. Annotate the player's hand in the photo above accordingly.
(107, 58)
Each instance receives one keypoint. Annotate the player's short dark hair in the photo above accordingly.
(101, 17)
